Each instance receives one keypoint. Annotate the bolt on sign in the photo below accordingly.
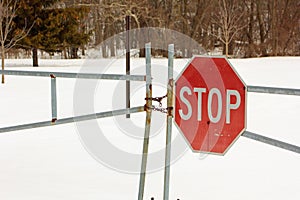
(210, 105)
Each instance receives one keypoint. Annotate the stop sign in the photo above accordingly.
(210, 107)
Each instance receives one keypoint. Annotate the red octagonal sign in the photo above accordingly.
(210, 107)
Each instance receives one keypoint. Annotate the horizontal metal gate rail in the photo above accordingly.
(76, 75)
(53, 76)
(73, 119)
(270, 141)
(264, 139)
(273, 90)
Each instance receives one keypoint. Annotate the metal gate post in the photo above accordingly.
(53, 98)
(169, 121)
(148, 110)
(127, 19)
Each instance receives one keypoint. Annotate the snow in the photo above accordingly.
(52, 162)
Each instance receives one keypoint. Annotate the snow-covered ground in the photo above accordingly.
(51, 163)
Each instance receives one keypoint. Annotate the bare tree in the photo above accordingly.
(9, 36)
(273, 27)
(228, 19)
(250, 27)
(284, 26)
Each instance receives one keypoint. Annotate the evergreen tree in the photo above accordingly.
(55, 28)
(34, 12)
(63, 31)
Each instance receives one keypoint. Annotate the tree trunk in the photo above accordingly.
(83, 50)
(35, 57)
(274, 29)
(259, 11)
(74, 52)
(2, 63)
(143, 39)
(226, 48)
(104, 50)
(112, 48)
(142, 53)
(65, 53)
(250, 50)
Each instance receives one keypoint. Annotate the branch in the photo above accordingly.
(8, 13)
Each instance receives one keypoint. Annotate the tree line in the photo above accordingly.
(48, 25)
(238, 28)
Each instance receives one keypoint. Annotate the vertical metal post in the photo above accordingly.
(127, 63)
(53, 98)
(169, 121)
(148, 121)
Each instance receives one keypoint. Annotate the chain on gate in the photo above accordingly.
(156, 108)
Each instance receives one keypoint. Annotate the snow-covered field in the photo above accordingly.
(51, 163)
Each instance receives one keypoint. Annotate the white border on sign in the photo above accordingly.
(246, 96)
